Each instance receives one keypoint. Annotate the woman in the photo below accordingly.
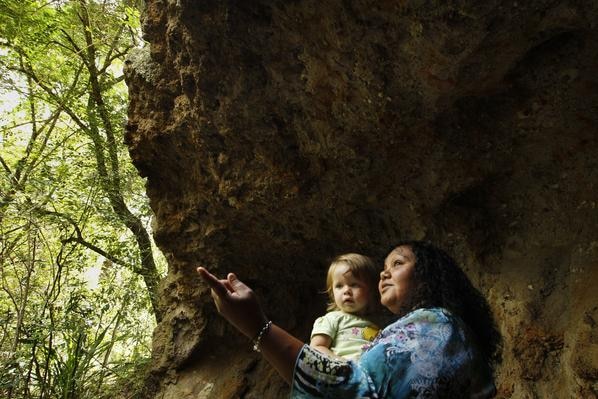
(441, 346)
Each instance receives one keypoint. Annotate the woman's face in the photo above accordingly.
(396, 280)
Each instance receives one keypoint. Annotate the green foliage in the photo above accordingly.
(77, 297)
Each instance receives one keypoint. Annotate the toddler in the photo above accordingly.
(351, 285)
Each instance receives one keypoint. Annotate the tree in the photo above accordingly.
(84, 89)
(68, 197)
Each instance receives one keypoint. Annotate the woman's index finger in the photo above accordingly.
(213, 282)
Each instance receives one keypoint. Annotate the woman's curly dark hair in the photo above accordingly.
(440, 282)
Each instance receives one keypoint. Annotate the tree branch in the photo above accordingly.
(11, 175)
(80, 240)
(98, 250)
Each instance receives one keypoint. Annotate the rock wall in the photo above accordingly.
(277, 134)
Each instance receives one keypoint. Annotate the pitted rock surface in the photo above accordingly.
(275, 135)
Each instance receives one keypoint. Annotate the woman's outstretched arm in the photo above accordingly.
(238, 304)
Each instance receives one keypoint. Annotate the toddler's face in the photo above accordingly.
(351, 295)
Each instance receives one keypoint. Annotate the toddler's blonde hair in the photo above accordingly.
(363, 268)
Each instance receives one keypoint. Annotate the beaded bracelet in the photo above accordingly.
(258, 340)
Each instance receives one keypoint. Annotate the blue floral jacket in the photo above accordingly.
(425, 354)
